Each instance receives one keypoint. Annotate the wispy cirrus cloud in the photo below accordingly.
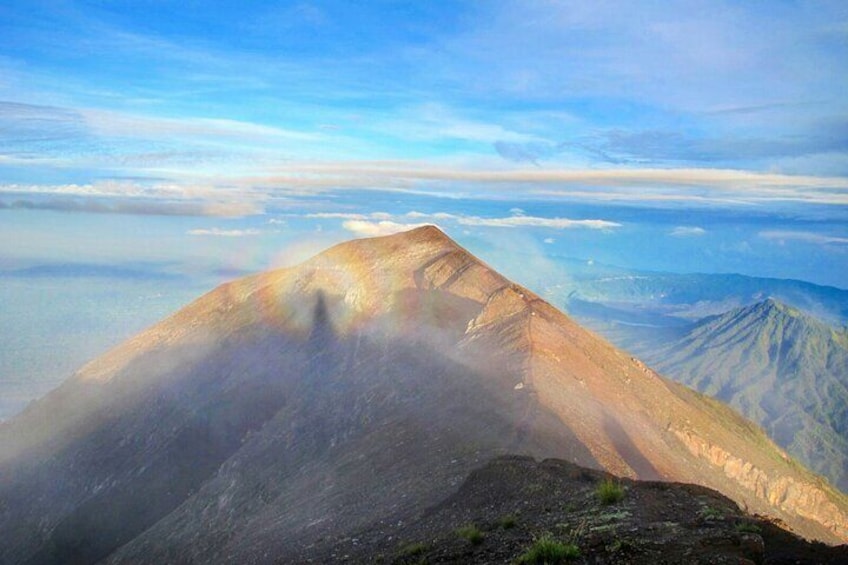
(644, 85)
(803, 236)
(386, 221)
(522, 221)
(111, 123)
(136, 208)
(128, 197)
(349, 216)
(431, 121)
(621, 184)
(218, 232)
(39, 131)
(236, 195)
(687, 231)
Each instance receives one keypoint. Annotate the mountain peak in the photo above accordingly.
(428, 233)
(298, 404)
(772, 303)
(774, 308)
(395, 251)
(780, 366)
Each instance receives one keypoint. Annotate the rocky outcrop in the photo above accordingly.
(505, 506)
(803, 498)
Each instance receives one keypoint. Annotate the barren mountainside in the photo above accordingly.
(357, 388)
(778, 366)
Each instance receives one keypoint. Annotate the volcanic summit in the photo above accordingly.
(355, 390)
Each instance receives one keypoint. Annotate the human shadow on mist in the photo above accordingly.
(276, 402)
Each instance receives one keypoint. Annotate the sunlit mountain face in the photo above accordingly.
(356, 389)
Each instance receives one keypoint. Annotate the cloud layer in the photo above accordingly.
(217, 232)
(564, 85)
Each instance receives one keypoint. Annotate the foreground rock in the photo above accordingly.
(504, 508)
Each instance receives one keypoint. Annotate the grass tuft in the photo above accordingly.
(548, 551)
(711, 513)
(748, 528)
(472, 533)
(609, 491)
(413, 549)
(508, 522)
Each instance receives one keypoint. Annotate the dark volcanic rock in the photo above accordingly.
(514, 501)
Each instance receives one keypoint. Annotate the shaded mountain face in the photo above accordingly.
(778, 366)
(357, 388)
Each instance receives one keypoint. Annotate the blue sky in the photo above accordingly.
(189, 142)
(203, 120)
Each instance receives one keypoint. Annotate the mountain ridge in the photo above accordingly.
(778, 366)
(361, 385)
(692, 296)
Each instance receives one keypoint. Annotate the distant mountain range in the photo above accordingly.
(86, 270)
(289, 410)
(667, 298)
(737, 339)
(778, 366)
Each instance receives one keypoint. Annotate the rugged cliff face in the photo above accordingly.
(360, 386)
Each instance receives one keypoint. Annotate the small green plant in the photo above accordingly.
(413, 549)
(548, 551)
(615, 546)
(508, 522)
(711, 513)
(748, 528)
(472, 533)
(621, 546)
(609, 491)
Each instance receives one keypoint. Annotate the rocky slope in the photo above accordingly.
(362, 386)
(503, 509)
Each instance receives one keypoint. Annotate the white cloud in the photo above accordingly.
(687, 231)
(613, 184)
(220, 195)
(109, 123)
(550, 240)
(217, 232)
(805, 236)
(128, 197)
(380, 223)
(518, 221)
(337, 216)
(532, 221)
(430, 122)
(373, 229)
